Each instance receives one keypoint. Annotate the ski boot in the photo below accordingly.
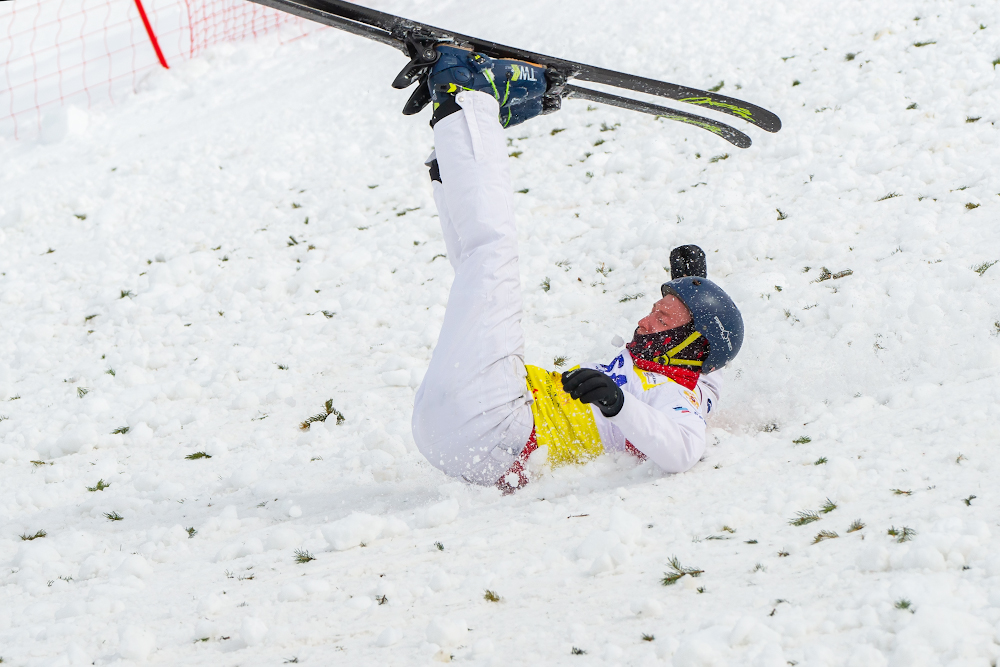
(516, 85)
(523, 90)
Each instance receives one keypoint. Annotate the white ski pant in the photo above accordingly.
(472, 414)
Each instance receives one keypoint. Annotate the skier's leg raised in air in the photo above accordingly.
(471, 415)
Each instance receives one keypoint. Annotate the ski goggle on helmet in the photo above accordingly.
(715, 316)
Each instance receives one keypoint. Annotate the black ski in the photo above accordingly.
(730, 134)
(414, 38)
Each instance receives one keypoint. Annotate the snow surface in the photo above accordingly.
(196, 193)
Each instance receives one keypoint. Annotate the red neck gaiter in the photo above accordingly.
(676, 353)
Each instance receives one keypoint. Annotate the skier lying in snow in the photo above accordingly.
(480, 411)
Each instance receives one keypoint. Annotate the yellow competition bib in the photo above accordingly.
(565, 426)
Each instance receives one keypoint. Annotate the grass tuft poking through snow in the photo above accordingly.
(198, 455)
(677, 571)
(303, 556)
(648, 638)
(804, 517)
(828, 506)
(983, 267)
(904, 534)
(191, 531)
(100, 486)
(491, 596)
(113, 516)
(38, 534)
(824, 535)
(321, 417)
(856, 526)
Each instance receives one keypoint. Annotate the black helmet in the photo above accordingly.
(715, 316)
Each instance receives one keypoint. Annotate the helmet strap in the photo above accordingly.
(676, 353)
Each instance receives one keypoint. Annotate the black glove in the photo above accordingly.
(590, 386)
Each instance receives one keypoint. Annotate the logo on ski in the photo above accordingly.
(725, 334)
(692, 121)
(746, 114)
(522, 73)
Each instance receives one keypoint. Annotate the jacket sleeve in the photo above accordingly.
(672, 436)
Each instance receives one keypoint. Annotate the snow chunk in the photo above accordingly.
(134, 565)
(79, 439)
(73, 656)
(919, 558)
(874, 558)
(483, 648)
(205, 629)
(446, 633)
(598, 543)
(601, 564)
(400, 378)
(243, 477)
(283, 538)
(394, 527)
(627, 527)
(840, 470)
(184, 389)
(351, 531)
(441, 582)
(140, 433)
(438, 514)
(698, 651)
(252, 631)
(648, 607)
(251, 546)
(64, 122)
(749, 630)
(387, 637)
(210, 605)
(291, 593)
(245, 401)
(35, 553)
(135, 643)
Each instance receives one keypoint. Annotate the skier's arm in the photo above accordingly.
(673, 438)
(710, 391)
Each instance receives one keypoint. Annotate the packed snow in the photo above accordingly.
(252, 235)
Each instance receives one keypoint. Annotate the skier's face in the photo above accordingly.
(668, 313)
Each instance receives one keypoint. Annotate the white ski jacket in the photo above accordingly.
(660, 418)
